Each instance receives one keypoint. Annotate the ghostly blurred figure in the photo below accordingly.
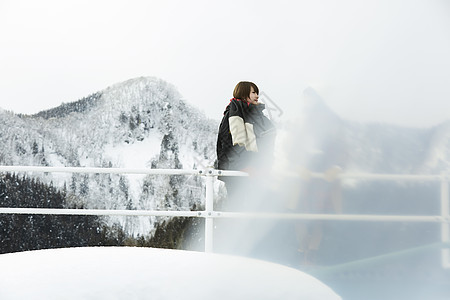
(317, 197)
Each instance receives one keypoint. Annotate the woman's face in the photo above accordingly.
(253, 98)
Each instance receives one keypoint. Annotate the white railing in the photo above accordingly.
(209, 214)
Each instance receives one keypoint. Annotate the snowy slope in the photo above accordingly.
(146, 273)
(142, 122)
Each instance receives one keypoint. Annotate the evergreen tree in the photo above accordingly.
(21, 232)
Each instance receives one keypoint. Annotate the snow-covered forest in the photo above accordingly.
(141, 123)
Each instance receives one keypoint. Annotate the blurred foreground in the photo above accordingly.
(145, 273)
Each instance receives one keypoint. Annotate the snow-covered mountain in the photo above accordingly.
(323, 139)
(139, 123)
(144, 122)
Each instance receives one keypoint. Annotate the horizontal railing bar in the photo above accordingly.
(100, 212)
(101, 170)
(217, 214)
(331, 217)
(213, 172)
(95, 170)
(229, 173)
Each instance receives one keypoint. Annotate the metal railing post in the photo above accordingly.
(209, 210)
(445, 226)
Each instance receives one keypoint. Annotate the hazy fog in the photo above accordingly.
(381, 61)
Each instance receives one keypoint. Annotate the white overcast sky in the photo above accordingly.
(372, 60)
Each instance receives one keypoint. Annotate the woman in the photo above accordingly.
(246, 136)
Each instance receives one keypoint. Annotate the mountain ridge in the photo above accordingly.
(323, 139)
(142, 122)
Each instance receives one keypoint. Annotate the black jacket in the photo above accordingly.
(245, 135)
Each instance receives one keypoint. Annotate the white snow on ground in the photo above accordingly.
(137, 156)
(148, 273)
(134, 155)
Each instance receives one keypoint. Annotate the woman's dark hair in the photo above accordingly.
(243, 89)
